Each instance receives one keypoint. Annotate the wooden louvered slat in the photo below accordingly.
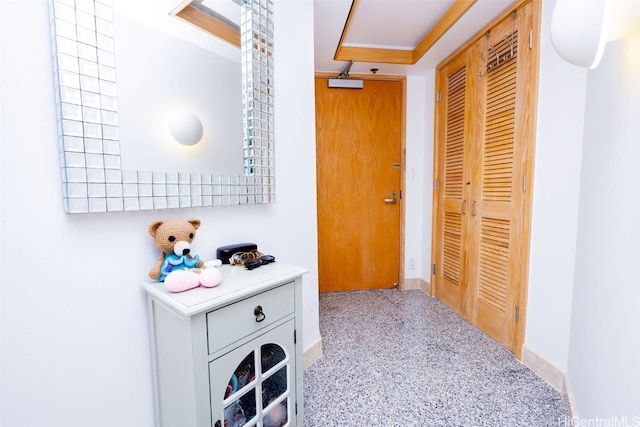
(503, 120)
(502, 77)
(454, 134)
(496, 129)
(498, 146)
(501, 89)
(503, 94)
(452, 246)
(499, 143)
(505, 108)
(494, 262)
(499, 169)
(499, 150)
(498, 138)
(497, 177)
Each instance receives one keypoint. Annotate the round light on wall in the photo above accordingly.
(579, 30)
(185, 127)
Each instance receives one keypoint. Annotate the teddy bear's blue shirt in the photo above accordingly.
(173, 262)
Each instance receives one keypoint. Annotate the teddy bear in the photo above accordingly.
(177, 267)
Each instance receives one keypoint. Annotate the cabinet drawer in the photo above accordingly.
(229, 324)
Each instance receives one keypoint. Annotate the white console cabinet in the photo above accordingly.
(231, 355)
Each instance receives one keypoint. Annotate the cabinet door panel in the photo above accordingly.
(255, 382)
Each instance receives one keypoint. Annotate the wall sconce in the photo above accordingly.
(580, 29)
(185, 127)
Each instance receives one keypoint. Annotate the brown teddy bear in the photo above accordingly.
(176, 265)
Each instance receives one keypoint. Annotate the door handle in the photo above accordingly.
(391, 199)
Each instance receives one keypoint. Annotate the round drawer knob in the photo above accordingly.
(258, 313)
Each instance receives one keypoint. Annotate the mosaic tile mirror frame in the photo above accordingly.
(85, 74)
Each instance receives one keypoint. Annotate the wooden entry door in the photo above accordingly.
(484, 137)
(358, 150)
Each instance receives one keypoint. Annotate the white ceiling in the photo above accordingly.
(394, 24)
(376, 23)
(225, 8)
(390, 24)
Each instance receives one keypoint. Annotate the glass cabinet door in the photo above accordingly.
(254, 384)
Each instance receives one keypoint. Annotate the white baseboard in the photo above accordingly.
(312, 353)
(551, 374)
(545, 369)
(417, 283)
(569, 399)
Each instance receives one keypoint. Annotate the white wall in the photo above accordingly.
(417, 101)
(604, 357)
(75, 346)
(583, 294)
(419, 176)
(555, 201)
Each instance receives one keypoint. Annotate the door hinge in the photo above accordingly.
(296, 408)
(436, 185)
(433, 269)
(530, 39)
(437, 96)
(524, 183)
(295, 337)
(517, 313)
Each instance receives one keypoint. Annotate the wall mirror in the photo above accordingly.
(97, 175)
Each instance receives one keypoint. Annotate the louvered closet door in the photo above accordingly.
(481, 208)
(497, 185)
(449, 222)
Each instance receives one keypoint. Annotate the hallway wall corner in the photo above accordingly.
(417, 283)
(551, 374)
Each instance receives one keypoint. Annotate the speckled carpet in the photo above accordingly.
(402, 358)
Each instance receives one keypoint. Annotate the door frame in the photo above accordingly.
(529, 134)
(403, 155)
